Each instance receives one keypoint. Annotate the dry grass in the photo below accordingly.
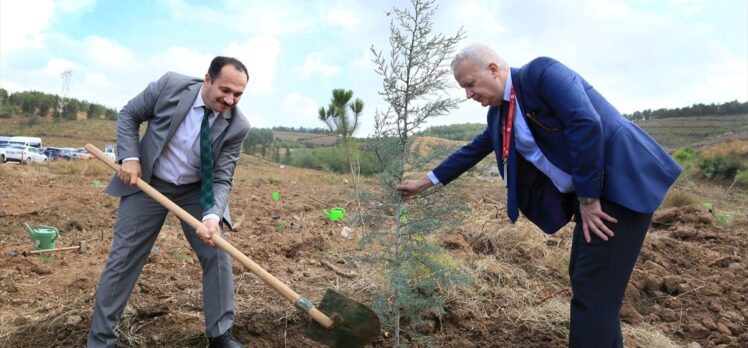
(91, 168)
(550, 316)
(644, 335)
(736, 147)
(31, 329)
(69, 133)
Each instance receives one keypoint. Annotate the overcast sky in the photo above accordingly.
(638, 53)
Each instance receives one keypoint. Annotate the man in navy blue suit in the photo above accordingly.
(565, 152)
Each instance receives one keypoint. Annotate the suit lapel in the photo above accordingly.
(185, 101)
(218, 127)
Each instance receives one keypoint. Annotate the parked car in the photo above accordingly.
(24, 154)
(68, 154)
(54, 153)
(82, 153)
(26, 141)
(109, 151)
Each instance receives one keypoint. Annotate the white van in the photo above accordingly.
(26, 141)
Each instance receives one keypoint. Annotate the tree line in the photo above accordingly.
(467, 131)
(462, 131)
(729, 108)
(34, 104)
(311, 130)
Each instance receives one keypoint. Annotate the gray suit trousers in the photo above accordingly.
(139, 221)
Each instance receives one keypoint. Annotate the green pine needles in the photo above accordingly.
(404, 240)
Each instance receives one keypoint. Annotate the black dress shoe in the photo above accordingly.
(224, 341)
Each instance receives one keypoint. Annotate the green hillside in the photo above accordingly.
(677, 132)
(671, 132)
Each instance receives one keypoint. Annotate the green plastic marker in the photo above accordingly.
(276, 195)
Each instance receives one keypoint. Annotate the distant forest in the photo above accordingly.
(301, 130)
(462, 131)
(730, 108)
(466, 131)
(35, 104)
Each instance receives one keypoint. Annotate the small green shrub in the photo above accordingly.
(720, 166)
(333, 159)
(686, 157)
(676, 198)
(178, 256)
(742, 176)
(725, 218)
(33, 120)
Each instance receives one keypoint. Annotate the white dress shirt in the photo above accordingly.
(179, 162)
(526, 146)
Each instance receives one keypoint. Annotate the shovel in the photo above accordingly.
(350, 324)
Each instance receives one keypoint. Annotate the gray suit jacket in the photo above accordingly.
(164, 104)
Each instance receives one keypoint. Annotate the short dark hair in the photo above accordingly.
(219, 62)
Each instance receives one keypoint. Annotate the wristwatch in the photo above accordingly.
(587, 200)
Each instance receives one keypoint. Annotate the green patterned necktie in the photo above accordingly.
(206, 163)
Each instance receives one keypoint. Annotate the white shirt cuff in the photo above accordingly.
(130, 159)
(211, 216)
(433, 178)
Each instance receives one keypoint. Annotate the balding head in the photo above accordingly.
(482, 73)
(479, 54)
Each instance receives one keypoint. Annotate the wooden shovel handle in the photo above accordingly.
(268, 278)
(42, 251)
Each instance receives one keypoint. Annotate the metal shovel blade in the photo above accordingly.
(356, 324)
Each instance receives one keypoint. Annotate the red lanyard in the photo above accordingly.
(506, 131)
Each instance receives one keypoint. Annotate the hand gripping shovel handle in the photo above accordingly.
(299, 301)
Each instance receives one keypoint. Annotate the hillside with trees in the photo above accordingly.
(38, 104)
(461, 131)
(673, 128)
(730, 108)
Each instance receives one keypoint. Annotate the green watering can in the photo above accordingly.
(44, 237)
(335, 214)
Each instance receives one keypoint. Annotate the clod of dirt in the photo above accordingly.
(668, 315)
(671, 283)
(8, 286)
(653, 284)
(455, 242)
(73, 320)
(681, 216)
(630, 315)
(152, 311)
(40, 269)
(72, 225)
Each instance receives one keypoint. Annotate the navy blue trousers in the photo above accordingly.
(599, 272)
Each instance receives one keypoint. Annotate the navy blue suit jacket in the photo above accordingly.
(580, 133)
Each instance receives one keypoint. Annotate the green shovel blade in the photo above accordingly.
(358, 325)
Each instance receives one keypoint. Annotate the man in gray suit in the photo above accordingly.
(188, 152)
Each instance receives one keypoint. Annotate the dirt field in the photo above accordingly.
(690, 284)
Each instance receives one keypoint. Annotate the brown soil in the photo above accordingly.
(690, 284)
